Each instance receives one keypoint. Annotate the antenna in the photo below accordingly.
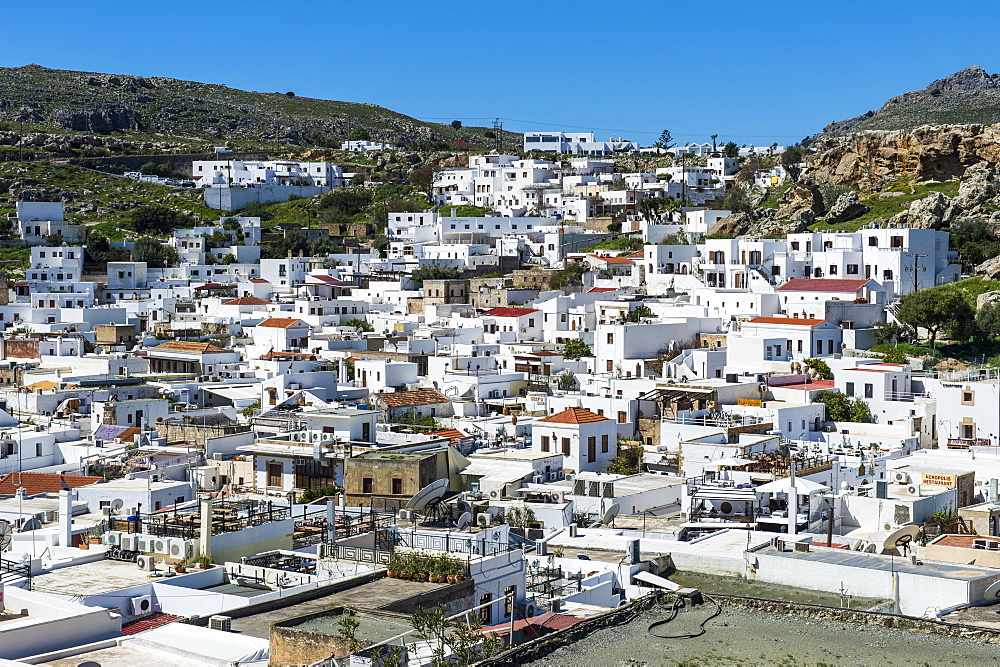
(464, 520)
(610, 514)
(901, 539)
(5, 535)
(992, 591)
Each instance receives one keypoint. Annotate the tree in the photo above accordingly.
(988, 320)
(628, 461)
(54, 240)
(664, 142)
(456, 124)
(738, 199)
(379, 245)
(714, 137)
(349, 201)
(566, 381)
(570, 276)
(791, 159)
(639, 313)
(895, 356)
(358, 323)
(615, 227)
(893, 332)
(937, 309)
(434, 272)
(155, 254)
(422, 177)
(359, 134)
(157, 219)
(822, 368)
(576, 348)
(841, 408)
(256, 209)
(731, 149)
(322, 247)
(231, 225)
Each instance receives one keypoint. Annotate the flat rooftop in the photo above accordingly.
(372, 595)
(94, 578)
(844, 558)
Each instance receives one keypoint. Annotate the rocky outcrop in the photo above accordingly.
(870, 160)
(988, 298)
(932, 212)
(803, 202)
(847, 207)
(980, 186)
(989, 269)
(103, 120)
(761, 223)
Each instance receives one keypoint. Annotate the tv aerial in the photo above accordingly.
(5, 535)
(901, 539)
(427, 501)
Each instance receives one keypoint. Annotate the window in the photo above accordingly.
(869, 390)
(829, 346)
(591, 449)
(968, 397)
(397, 486)
(367, 485)
(622, 417)
(545, 443)
(896, 242)
(849, 389)
(485, 613)
(833, 269)
(873, 241)
(565, 446)
(604, 444)
(852, 269)
(819, 347)
(611, 339)
(887, 274)
(611, 365)
(510, 595)
(795, 245)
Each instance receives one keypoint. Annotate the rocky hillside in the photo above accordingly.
(67, 101)
(969, 96)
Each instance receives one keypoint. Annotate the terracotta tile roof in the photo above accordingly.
(812, 385)
(246, 301)
(42, 482)
(258, 280)
(207, 286)
(187, 346)
(404, 399)
(602, 289)
(280, 322)
(550, 621)
(636, 255)
(509, 312)
(574, 416)
(326, 279)
(614, 260)
(452, 433)
(43, 384)
(289, 355)
(823, 285)
(154, 620)
(793, 321)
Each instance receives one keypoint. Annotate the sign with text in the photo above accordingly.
(932, 479)
(750, 402)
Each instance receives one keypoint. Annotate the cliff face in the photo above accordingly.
(871, 159)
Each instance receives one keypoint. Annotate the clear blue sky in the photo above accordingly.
(751, 72)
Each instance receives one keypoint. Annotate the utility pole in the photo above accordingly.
(498, 135)
(916, 259)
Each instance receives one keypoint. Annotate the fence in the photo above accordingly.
(12, 572)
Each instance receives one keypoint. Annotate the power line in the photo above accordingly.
(633, 131)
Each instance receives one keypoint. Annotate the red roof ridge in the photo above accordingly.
(824, 284)
(794, 321)
(574, 415)
(509, 312)
(280, 322)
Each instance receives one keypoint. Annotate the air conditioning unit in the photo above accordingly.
(113, 538)
(181, 549)
(901, 478)
(223, 623)
(553, 476)
(913, 490)
(494, 495)
(571, 476)
(146, 563)
(141, 605)
(538, 479)
(484, 520)
(161, 546)
(127, 542)
(524, 609)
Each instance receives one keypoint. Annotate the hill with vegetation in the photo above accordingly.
(969, 96)
(63, 101)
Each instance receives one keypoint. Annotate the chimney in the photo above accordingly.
(205, 536)
(65, 518)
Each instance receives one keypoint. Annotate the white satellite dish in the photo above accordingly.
(610, 514)
(901, 538)
(430, 494)
(464, 520)
(992, 591)
(117, 504)
(5, 535)
(30, 525)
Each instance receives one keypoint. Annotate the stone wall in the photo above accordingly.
(295, 648)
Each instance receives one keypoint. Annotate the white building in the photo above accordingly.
(576, 143)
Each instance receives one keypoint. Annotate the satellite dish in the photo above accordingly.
(117, 504)
(428, 495)
(30, 525)
(610, 514)
(901, 538)
(992, 591)
(464, 520)
(5, 535)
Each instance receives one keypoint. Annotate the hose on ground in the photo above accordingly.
(675, 607)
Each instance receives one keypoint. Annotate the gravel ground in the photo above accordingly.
(750, 637)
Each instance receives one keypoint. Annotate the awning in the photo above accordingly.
(723, 493)
(661, 394)
(236, 393)
(729, 461)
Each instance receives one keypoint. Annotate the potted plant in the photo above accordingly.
(205, 562)
(181, 566)
(84, 542)
(94, 536)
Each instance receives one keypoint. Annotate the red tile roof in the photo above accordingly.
(812, 385)
(509, 312)
(289, 355)
(279, 322)
(452, 433)
(258, 280)
(574, 416)
(246, 301)
(823, 285)
(154, 620)
(602, 289)
(793, 321)
(549, 620)
(405, 399)
(325, 279)
(42, 482)
(614, 260)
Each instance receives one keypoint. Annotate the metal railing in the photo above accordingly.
(12, 572)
